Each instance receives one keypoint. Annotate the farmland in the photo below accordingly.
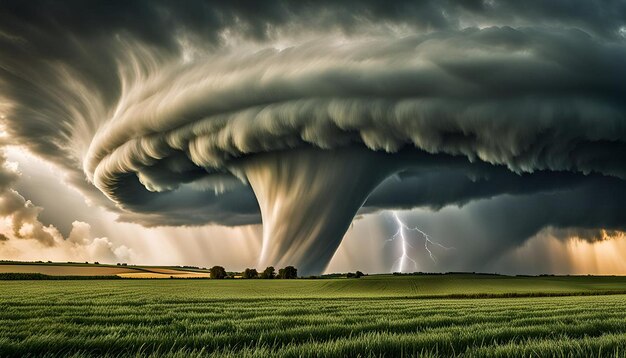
(86, 269)
(372, 316)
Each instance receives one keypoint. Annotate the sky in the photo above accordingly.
(334, 136)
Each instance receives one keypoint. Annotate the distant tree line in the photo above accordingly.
(285, 273)
(289, 272)
(357, 274)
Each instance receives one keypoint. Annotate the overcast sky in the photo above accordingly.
(248, 134)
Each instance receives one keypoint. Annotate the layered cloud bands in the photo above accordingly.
(182, 115)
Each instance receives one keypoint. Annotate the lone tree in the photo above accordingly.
(217, 272)
(268, 273)
(250, 273)
(288, 272)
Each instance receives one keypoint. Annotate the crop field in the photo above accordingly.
(80, 269)
(66, 270)
(389, 316)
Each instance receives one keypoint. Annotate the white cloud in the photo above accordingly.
(24, 235)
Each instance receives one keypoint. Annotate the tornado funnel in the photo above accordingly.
(308, 198)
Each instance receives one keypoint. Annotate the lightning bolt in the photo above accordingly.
(401, 234)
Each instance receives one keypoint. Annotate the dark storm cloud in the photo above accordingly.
(157, 110)
(515, 102)
(483, 231)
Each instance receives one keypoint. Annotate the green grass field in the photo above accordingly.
(372, 316)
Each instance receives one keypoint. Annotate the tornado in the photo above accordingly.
(301, 116)
(308, 198)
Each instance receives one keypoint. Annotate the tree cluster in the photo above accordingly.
(269, 273)
(357, 274)
(289, 272)
(217, 272)
(250, 273)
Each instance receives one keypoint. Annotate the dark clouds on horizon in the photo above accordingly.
(149, 107)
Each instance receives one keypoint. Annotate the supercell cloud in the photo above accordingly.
(304, 114)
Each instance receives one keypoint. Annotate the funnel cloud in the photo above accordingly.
(301, 115)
